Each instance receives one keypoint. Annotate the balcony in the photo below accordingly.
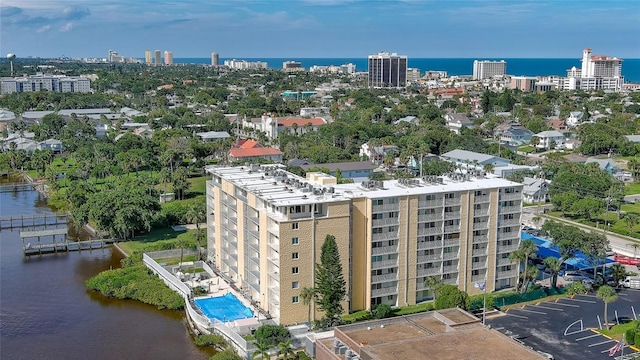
(479, 252)
(384, 236)
(450, 256)
(503, 262)
(451, 228)
(384, 222)
(429, 245)
(452, 242)
(274, 245)
(451, 215)
(507, 248)
(510, 209)
(506, 274)
(450, 269)
(384, 291)
(384, 208)
(508, 222)
(477, 278)
(384, 278)
(430, 217)
(511, 196)
(384, 250)
(384, 264)
(454, 201)
(479, 265)
(429, 272)
(428, 258)
(480, 225)
(482, 199)
(429, 204)
(452, 281)
(429, 231)
(508, 235)
(480, 239)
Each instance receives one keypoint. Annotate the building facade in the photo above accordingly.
(387, 70)
(148, 59)
(168, 57)
(266, 228)
(45, 82)
(157, 57)
(485, 69)
(215, 59)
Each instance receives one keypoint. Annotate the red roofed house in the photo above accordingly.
(248, 150)
(273, 126)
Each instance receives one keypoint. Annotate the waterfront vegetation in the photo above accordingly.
(138, 283)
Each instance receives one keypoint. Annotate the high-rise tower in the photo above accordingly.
(387, 70)
(158, 58)
(147, 57)
(168, 57)
(215, 59)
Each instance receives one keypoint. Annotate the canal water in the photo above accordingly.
(47, 313)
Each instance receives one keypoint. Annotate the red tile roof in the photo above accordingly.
(289, 121)
(251, 148)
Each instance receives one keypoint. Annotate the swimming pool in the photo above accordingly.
(224, 308)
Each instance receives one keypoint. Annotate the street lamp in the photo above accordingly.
(483, 286)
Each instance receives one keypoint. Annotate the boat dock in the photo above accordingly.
(22, 221)
(55, 245)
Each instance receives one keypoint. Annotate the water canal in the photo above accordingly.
(46, 312)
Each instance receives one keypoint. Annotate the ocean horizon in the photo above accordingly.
(453, 66)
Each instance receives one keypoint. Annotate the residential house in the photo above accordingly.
(144, 132)
(550, 137)
(575, 117)
(516, 135)
(376, 154)
(273, 126)
(633, 138)
(349, 170)
(101, 130)
(6, 117)
(607, 165)
(469, 158)
(535, 190)
(54, 145)
(455, 122)
(211, 136)
(408, 119)
(250, 150)
(16, 142)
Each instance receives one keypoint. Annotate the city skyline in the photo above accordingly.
(320, 28)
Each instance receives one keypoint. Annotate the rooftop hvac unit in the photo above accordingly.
(379, 184)
(332, 190)
(342, 349)
(348, 355)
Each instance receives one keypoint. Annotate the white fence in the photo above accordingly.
(168, 279)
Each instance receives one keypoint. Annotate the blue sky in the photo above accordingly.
(321, 28)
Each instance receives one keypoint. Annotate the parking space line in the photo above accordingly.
(623, 294)
(563, 304)
(518, 316)
(580, 300)
(576, 332)
(531, 311)
(550, 308)
(499, 328)
(587, 337)
(600, 343)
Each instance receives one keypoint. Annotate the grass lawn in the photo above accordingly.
(176, 260)
(616, 331)
(527, 149)
(198, 185)
(632, 188)
(160, 239)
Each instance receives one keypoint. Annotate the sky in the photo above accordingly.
(321, 28)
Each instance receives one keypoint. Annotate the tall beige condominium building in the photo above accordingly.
(157, 57)
(147, 57)
(168, 57)
(266, 228)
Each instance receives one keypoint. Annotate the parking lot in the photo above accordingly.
(563, 328)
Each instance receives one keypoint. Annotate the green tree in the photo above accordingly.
(307, 294)
(554, 265)
(272, 335)
(528, 248)
(262, 350)
(226, 354)
(450, 296)
(196, 214)
(619, 273)
(434, 284)
(330, 283)
(284, 349)
(180, 182)
(607, 294)
(631, 220)
(383, 311)
(588, 207)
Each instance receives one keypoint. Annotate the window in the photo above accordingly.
(377, 230)
(377, 216)
(294, 256)
(392, 228)
(377, 202)
(294, 241)
(294, 270)
(295, 285)
(295, 299)
(393, 214)
(294, 226)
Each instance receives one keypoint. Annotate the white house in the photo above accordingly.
(535, 190)
(377, 153)
(547, 138)
(455, 122)
(575, 117)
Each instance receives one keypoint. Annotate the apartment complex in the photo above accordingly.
(485, 69)
(266, 228)
(215, 59)
(147, 57)
(387, 70)
(157, 58)
(45, 82)
(168, 57)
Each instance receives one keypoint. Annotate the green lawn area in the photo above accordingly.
(527, 148)
(160, 239)
(198, 185)
(632, 188)
(616, 331)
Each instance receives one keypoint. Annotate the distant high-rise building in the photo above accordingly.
(387, 70)
(485, 69)
(413, 75)
(147, 57)
(168, 57)
(115, 57)
(158, 57)
(215, 59)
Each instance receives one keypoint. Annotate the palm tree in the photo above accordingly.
(308, 294)
(262, 351)
(518, 257)
(553, 264)
(632, 220)
(286, 350)
(196, 214)
(607, 294)
(618, 272)
(488, 168)
(434, 284)
(528, 248)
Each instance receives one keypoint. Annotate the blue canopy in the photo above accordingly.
(546, 249)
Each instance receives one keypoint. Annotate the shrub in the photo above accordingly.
(636, 339)
(383, 311)
(227, 354)
(272, 335)
(301, 355)
(450, 296)
(577, 288)
(210, 340)
(630, 336)
(476, 302)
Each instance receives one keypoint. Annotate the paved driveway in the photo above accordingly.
(561, 328)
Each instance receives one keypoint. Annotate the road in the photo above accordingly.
(621, 244)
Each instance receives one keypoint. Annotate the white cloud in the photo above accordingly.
(44, 28)
(66, 27)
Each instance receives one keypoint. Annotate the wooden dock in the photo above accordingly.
(55, 246)
(27, 221)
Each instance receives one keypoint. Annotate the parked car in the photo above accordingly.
(573, 276)
(626, 260)
(631, 282)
